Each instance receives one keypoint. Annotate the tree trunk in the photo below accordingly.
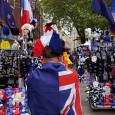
(82, 36)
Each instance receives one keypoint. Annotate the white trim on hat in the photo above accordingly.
(45, 39)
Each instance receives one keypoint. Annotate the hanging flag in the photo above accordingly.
(112, 25)
(6, 13)
(113, 9)
(26, 12)
(100, 7)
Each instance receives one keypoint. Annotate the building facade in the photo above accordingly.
(74, 36)
(37, 13)
(67, 39)
(15, 4)
(71, 41)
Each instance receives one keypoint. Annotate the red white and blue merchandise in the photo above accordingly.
(26, 12)
(54, 90)
(14, 101)
(13, 71)
(101, 65)
(50, 38)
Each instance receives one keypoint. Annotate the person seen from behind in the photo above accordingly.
(53, 89)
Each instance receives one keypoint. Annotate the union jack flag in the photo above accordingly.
(54, 90)
(68, 80)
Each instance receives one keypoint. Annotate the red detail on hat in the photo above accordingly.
(48, 29)
(48, 26)
(38, 48)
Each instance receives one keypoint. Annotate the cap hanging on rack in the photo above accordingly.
(6, 30)
(14, 31)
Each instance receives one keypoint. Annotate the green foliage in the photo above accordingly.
(75, 13)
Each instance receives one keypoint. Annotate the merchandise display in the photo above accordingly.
(16, 62)
(14, 69)
(14, 101)
(99, 69)
(101, 95)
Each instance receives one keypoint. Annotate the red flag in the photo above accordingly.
(26, 12)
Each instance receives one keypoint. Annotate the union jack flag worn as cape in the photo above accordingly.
(54, 90)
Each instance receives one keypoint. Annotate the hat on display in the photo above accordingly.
(27, 27)
(106, 39)
(14, 31)
(15, 45)
(97, 33)
(34, 21)
(94, 59)
(50, 38)
(6, 30)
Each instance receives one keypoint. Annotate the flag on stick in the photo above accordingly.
(26, 12)
(6, 13)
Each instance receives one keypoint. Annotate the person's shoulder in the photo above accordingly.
(74, 75)
(73, 71)
(35, 72)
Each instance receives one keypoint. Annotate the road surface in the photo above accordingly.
(85, 106)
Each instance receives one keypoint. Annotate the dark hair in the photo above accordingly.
(63, 45)
(49, 53)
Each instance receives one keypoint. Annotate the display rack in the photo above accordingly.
(98, 67)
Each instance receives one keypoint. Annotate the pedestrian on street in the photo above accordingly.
(53, 89)
(71, 58)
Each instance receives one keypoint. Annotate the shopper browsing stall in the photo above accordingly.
(53, 89)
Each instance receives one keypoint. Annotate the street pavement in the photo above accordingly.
(86, 108)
